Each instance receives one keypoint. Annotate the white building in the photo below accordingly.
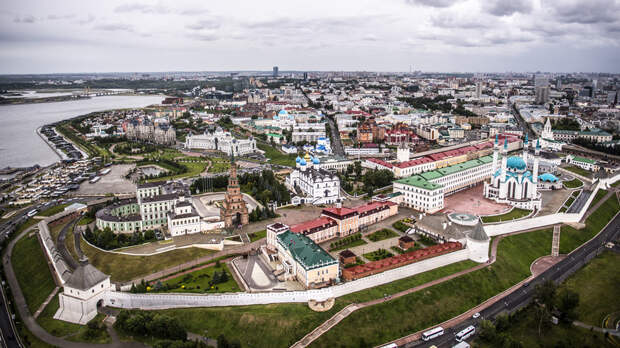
(512, 183)
(426, 191)
(222, 141)
(183, 219)
(547, 140)
(83, 292)
(318, 185)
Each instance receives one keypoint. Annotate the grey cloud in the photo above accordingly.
(58, 17)
(142, 8)
(88, 20)
(25, 19)
(585, 12)
(432, 3)
(204, 37)
(203, 24)
(452, 22)
(507, 7)
(158, 9)
(370, 37)
(114, 27)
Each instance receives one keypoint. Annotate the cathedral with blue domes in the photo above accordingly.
(512, 182)
(311, 183)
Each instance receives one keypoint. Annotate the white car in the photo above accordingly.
(476, 315)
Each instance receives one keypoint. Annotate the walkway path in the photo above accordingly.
(327, 325)
(45, 303)
(596, 328)
(597, 205)
(30, 321)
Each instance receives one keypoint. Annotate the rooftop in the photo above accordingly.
(305, 251)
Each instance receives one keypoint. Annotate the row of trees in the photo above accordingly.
(106, 239)
(548, 301)
(149, 324)
(611, 150)
(434, 104)
(259, 214)
(263, 186)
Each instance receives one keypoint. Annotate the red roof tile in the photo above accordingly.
(307, 225)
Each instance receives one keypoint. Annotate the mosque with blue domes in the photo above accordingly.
(512, 182)
(313, 184)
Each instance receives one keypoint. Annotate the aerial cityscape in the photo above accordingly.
(407, 173)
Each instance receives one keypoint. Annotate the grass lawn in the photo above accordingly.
(267, 322)
(277, 157)
(349, 245)
(571, 238)
(219, 165)
(616, 184)
(85, 220)
(382, 234)
(524, 328)
(53, 210)
(32, 272)
(599, 195)
(515, 213)
(579, 171)
(598, 285)
(254, 236)
(123, 268)
(193, 169)
(442, 301)
(573, 183)
(379, 254)
(198, 281)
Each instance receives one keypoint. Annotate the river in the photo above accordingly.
(21, 146)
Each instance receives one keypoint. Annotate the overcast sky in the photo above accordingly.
(43, 36)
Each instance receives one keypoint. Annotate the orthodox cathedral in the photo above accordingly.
(511, 182)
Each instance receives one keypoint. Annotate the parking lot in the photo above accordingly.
(113, 182)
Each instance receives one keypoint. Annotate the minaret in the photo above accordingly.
(495, 155)
(504, 158)
(526, 145)
(536, 159)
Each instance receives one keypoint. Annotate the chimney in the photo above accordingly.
(338, 204)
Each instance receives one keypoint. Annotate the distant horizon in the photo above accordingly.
(288, 71)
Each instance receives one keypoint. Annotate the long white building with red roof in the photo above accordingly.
(341, 221)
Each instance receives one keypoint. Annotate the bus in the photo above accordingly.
(461, 345)
(465, 333)
(430, 334)
(32, 213)
(391, 345)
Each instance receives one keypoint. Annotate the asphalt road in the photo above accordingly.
(521, 122)
(7, 327)
(336, 143)
(521, 297)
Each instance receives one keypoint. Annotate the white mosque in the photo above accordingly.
(511, 182)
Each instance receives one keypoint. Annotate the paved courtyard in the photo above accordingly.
(472, 201)
(113, 182)
(553, 200)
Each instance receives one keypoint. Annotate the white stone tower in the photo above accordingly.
(402, 153)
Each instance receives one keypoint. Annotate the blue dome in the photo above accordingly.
(282, 113)
(298, 159)
(515, 162)
(315, 161)
(302, 162)
(548, 177)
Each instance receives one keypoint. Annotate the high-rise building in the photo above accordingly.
(305, 76)
(558, 84)
(542, 94)
(275, 71)
(478, 89)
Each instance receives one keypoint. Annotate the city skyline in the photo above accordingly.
(392, 36)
